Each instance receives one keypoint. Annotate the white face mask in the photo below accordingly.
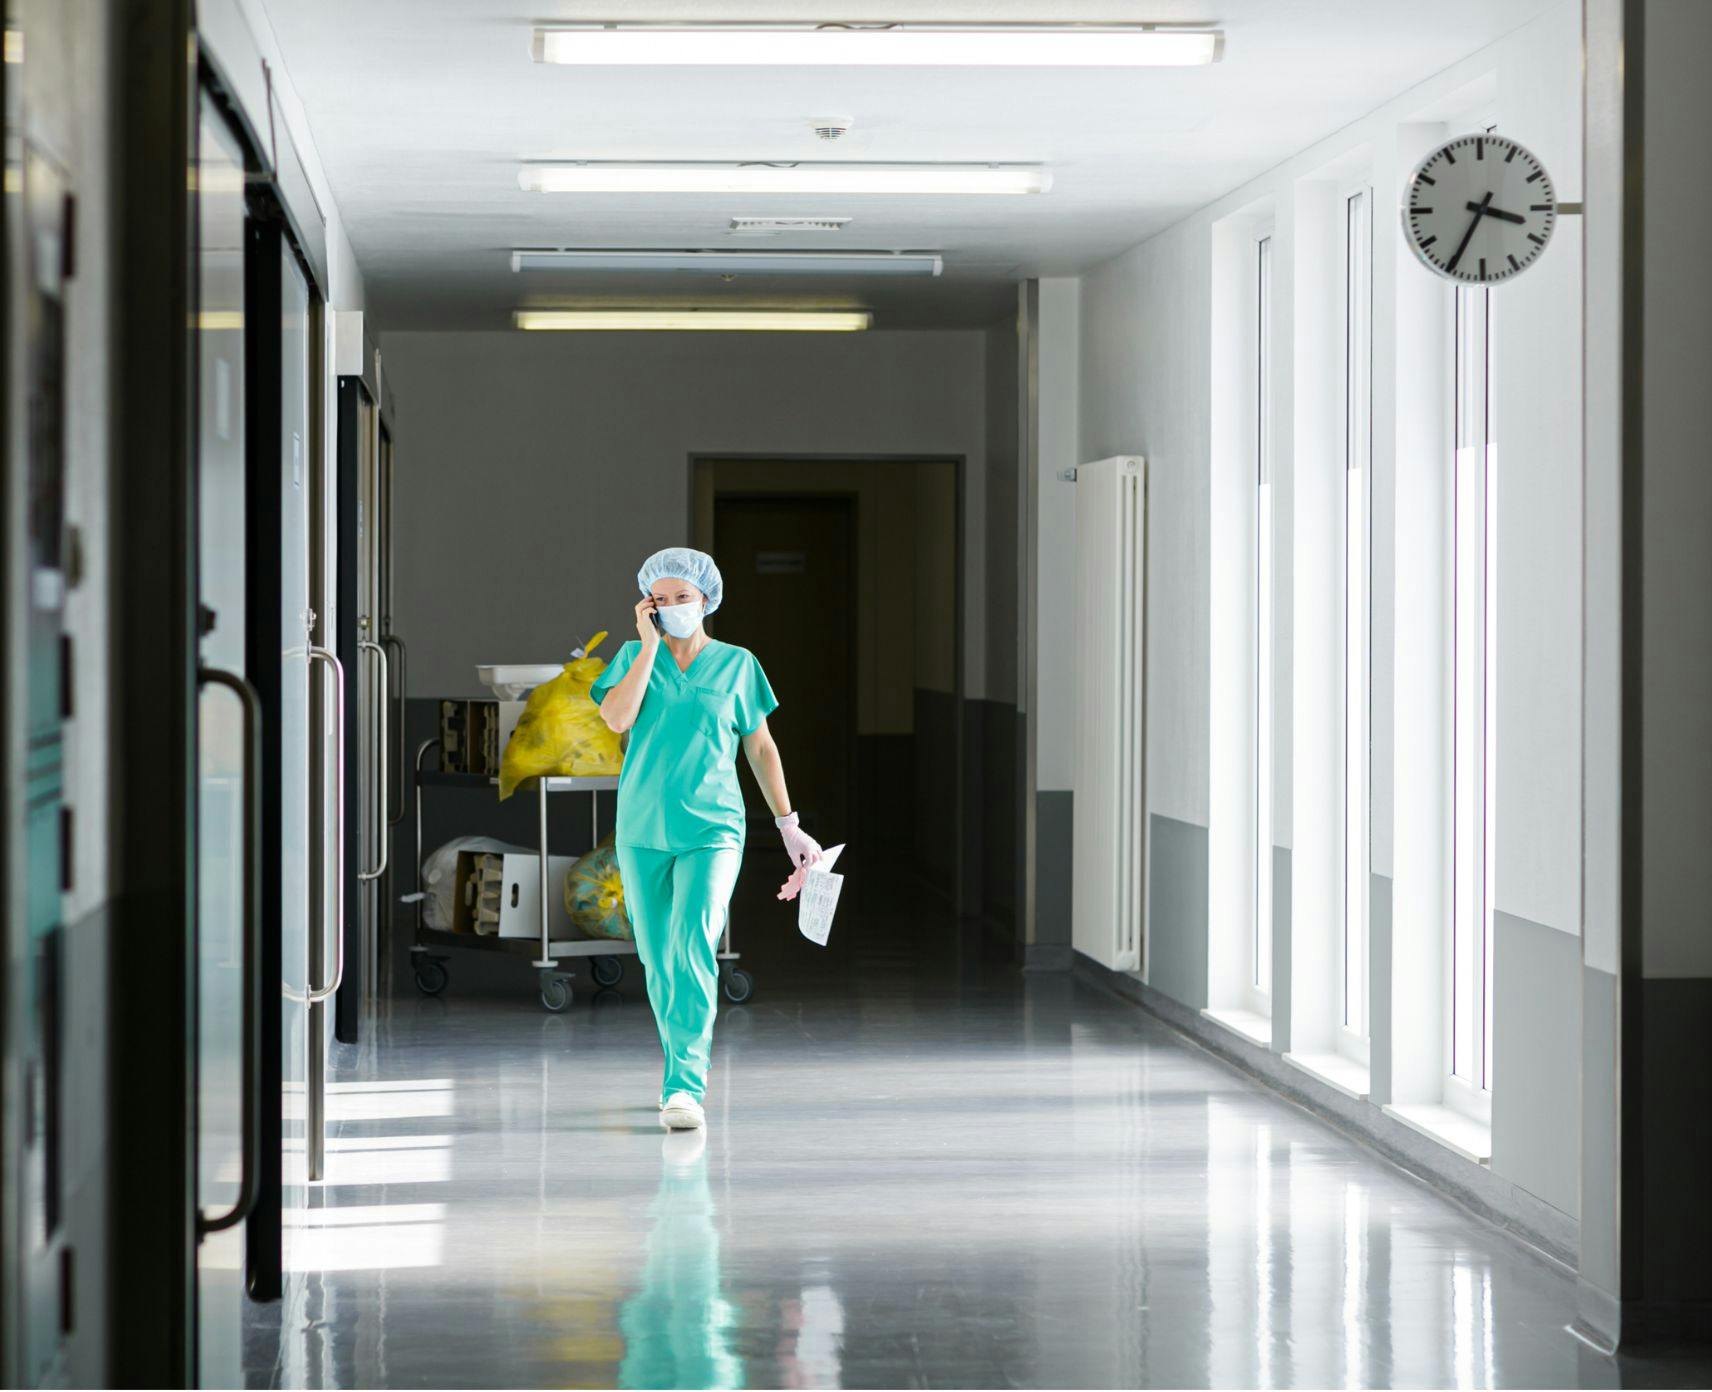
(679, 620)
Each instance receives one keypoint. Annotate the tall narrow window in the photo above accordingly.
(1473, 726)
(1357, 458)
(1262, 954)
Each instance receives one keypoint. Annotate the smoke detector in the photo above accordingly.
(830, 127)
(773, 226)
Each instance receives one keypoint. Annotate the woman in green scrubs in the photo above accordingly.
(688, 701)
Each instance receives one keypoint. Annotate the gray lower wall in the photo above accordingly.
(1598, 1151)
(1379, 989)
(990, 793)
(998, 812)
(884, 820)
(1676, 1143)
(1177, 909)
(1281, 946)
(935, 776)
(1054, 840)
(1537, 1020)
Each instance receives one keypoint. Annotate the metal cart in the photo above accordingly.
(430, 947)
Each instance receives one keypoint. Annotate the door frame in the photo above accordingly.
(151, 1262)
(960, 892)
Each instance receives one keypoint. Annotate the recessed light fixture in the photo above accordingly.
(892, 263)
(620, 43)
(597, 176)
(698, 320)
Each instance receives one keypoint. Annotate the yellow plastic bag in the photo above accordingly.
(594, 895)
(560, 731)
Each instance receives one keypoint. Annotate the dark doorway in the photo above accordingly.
(790, 598)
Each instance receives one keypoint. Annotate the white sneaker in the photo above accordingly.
(681, 1112)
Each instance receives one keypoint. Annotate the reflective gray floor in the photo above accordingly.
(921, 1169)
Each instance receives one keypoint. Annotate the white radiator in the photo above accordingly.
(1108, 901)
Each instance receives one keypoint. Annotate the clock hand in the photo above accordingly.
(1462, 246)
(1499, 213)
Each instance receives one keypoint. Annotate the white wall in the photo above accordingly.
(1145, 349)
(1162, 374)
(1538, 338)
(236, 32)
(537, 470)
(1004, 483)
(1147, 323)
(1058, 427)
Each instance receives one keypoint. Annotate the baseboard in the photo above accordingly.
(1598, 1317)
(1553, 1235)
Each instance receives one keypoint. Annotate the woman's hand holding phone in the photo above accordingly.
(647, 624)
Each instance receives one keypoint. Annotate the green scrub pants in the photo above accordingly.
(678, 902)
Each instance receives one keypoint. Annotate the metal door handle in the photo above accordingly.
(403, 695)
(249, 1184)
(331, 659)
(381, 822)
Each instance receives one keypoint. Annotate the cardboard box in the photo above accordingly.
(500, 895)
(470, 738)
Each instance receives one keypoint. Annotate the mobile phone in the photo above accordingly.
(656, 618)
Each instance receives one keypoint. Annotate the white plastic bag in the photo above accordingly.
(819, 899)
(440, 877)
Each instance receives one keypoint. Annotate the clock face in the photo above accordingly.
(1479, 210)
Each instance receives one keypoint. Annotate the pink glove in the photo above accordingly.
(802, 848)
(793, 886)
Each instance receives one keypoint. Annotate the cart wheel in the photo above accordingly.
(607, 971)
(739, 985)
(555, 993)
(431, 977)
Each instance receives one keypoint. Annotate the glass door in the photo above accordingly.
(368, 765)
(302, 777)
(226, 743)
(374, 697)
(35, 873)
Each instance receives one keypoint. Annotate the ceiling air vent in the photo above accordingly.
(773, 226)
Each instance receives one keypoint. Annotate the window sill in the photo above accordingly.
(1336, 1071)
(1251, 1025)
(1468, 1138)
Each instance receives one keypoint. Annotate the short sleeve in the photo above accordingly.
(614, 672)
(755, 699)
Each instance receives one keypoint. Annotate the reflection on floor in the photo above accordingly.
(922, 1168)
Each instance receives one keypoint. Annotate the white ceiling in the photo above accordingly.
(422, 109)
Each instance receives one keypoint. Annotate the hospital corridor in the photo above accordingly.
(807, 694)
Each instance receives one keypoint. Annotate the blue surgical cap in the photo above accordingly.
(682, 563)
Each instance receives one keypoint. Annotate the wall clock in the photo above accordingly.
(1479, 210)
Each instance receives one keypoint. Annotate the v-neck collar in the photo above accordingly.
(683, 673)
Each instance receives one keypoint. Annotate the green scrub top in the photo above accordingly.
(678, 788)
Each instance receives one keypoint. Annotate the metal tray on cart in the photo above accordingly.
(430, 947)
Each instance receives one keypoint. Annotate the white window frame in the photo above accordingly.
(1355, 280)
(1472, 571)
(1259, 974)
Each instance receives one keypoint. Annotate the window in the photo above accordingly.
(1473, 709)
(1261, 976)
(1357, 458)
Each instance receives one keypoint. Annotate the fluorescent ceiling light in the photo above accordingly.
(765, 320)
(609, 177)
(889, 45)
(896, 263)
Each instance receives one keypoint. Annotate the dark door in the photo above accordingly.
(790, 597)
